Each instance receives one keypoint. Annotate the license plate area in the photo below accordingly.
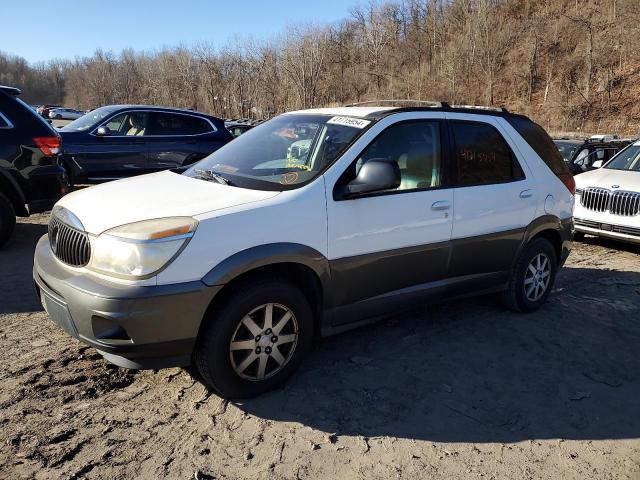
(58, 312)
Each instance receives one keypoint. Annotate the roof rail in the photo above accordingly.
(10, 90)
(426, 103)
(481, 107)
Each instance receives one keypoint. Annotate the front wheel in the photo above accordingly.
(532, 277)
(58, 117)
(255, 340)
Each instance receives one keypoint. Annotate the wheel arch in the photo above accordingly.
(555, 230)
(301, 265)
(12, 190)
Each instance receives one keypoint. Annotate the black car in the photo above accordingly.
(120, 141)
(581, 154)
(31, 180)
(237, 127)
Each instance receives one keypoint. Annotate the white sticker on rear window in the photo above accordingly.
(349, 122)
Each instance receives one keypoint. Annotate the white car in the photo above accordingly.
(608, 198)
(312, 223)
(65, 114)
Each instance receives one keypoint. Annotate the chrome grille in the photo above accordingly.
(68, 244)
(625, 203)
(617, 202)
(595, 198)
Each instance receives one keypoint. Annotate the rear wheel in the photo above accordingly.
(578, 236)
(533, 277)
(255, 340)
(7, 218)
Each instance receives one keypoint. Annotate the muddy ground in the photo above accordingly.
(460, 390)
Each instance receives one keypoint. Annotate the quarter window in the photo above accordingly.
(483, 157)
(414, 146)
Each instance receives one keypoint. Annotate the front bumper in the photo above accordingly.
(131, 326)
(608, 230)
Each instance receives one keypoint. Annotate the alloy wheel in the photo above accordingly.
(537, 277)
(263, 342)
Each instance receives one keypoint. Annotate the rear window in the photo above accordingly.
(541, 143)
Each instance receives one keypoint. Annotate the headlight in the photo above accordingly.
(139, 250)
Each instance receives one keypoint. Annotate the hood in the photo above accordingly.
(607, 178)
(157, 195)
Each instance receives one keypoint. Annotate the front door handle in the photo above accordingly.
(441, 205)
(528, 193)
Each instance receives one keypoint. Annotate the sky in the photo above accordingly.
(40, 30)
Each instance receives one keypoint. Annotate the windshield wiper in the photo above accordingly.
(211, 175)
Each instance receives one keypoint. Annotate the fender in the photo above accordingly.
(564, 227)
(271, 254)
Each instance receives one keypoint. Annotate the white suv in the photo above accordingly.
(608, 199)
(309, 224)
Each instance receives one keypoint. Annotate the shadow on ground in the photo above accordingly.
(471, 372)
(17, 294)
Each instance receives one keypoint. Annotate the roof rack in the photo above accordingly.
(430, 103)
(10, 90)
(481, 107)
(426, 103)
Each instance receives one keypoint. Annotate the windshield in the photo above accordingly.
(627, 159)
(90, 119)
(284, 152)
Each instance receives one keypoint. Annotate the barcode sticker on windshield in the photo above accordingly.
(349, 122)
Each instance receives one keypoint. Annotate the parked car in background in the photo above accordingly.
(120, 141)
(236, 129)
(65, 113)
(580, 155)
(608, 198)
(45, 109)
(31, 180)
(312, 223)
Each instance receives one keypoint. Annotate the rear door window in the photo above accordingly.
(162, 123)
(482, 155)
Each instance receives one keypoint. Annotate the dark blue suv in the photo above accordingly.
(118, 141)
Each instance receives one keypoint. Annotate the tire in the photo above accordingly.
(220, 366)
(7, 219)
(521, 298)
(58, 117)
(578, 237)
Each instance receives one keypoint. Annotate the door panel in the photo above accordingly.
(384, 243)
(490, 216)
(123, 153)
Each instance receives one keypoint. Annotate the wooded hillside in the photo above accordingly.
(570, 64)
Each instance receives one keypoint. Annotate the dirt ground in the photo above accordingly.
(459, 390)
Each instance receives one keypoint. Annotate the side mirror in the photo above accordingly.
(376, 175)
(597, 164)
(103, 132)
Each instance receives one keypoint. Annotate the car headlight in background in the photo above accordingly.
(139, 250)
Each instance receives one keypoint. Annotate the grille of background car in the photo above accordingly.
(618, 203)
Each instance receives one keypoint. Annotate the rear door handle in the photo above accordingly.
(441, 205)
(528, 193)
